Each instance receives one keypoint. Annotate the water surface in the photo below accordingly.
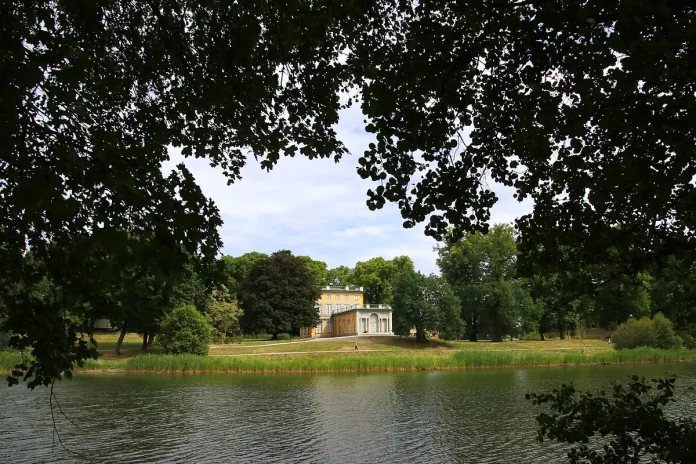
(424, 417)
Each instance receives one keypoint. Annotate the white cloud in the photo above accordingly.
(317, 208)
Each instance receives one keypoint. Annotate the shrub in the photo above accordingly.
(532, 336)
(185, 330)
(688, 336)
(667, 338)
(634, 333)
(689, 341)
(284, 336)
(655, 333)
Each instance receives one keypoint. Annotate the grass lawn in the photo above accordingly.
(106, 342)
(405, 345)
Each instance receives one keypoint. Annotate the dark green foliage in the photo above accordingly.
(339, 276)
(317, 268)
(583, 107)
(232, 271)
(622, 297)
(279, 295)
(185, 331)
(667, 338)
(482, 271)
(284, 336)
(377, 276)
(526, 94)
(4, 338)
(654, 333)
(531, 336)
(95, 95)
(426, 303)
(689, 341)
(634, 333)
(189, 289)
(625, 425)
(673, 291)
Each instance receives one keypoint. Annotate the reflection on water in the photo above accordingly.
(464, 416)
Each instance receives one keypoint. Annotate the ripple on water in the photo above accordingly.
(470, 416)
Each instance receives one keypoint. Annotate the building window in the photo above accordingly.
(329, 326)
(319, 328)
(355, 298)
(347, 298)
(328, 309)
(328, 297)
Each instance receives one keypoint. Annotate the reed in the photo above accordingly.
(9, 359)
(370, 362)
(375, 362)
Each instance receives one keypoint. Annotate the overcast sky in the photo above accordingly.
(317, 208)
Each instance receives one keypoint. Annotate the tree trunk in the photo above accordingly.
(541, 333)
(420, 335)
(92, 321)
(150, 338)
(497, 337)
(561, 332)
(274, 337)
(144, 347)
(117, 348)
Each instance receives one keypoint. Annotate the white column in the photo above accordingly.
(357, 322)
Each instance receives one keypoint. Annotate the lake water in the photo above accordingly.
(429, 417)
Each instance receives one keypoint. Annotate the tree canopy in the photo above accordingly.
(377, 276)
(586, 108)
(426, 303)
(482, 270)
(625, 423)
(279, 295)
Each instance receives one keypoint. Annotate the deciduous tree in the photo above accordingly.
(279, 295)
(232, 271)
(339, 276)
(426, 303)
(626, 423)
(377, 275)
(222, 314)
(482, 270)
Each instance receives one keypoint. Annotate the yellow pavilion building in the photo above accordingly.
(342, 311)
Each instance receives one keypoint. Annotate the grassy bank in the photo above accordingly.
(370, 361)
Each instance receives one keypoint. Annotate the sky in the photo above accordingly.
(317, 208)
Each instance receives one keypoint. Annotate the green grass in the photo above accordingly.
(376, 362)
(8, 359)
(470, 358)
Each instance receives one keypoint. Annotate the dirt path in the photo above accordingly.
(364, 338)
(297, 352)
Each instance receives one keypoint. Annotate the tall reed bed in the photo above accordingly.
(464, 359)
(370, 362)
(9, 359)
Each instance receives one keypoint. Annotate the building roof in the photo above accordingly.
(347, 288)
(368, 307)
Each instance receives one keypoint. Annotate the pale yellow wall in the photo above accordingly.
(344, 323)
(337, 297)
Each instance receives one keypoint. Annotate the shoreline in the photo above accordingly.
(370, 371)
(366, 362)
